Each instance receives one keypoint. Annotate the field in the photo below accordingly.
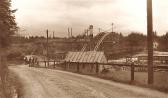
(141, 78)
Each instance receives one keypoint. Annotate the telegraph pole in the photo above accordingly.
(150, 41)
(47, 49)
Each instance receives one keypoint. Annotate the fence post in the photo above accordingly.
(38, 64)
(78, 67)
(45, 64)
(65, 65)
(48, 63)
(132, 72)
(54, 63)
(97, 68)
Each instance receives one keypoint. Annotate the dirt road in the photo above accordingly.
(47, 83)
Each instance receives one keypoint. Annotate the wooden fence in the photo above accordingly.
(65, 64)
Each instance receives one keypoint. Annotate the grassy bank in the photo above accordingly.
(11, 88)
(140, 79)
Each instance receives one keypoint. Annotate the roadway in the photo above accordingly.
(48, 83)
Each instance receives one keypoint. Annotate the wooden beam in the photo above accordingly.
(150, 41)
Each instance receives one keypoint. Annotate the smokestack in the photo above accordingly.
(71, 32)
(99, 30)
(53, 34)
(112, 27)
(87, 32)
(68, 33)
(91, 29)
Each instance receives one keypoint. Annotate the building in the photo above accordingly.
(159, 57)
(85, 62)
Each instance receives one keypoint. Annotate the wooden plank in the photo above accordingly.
(97, 68)
(90, 53)
(76, 56)
(93, 56)
(73, 56)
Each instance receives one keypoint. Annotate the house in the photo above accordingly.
(85, 62)
(158, 57)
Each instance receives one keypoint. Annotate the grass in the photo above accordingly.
(141, 79)
(11, 88)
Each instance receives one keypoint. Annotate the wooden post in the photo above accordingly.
(47, 50)
(65, 65)
(150, 41)
(54, 63)
(45, 64)
(78, 67)
(97, 68)
(132, 72)
(29, 62)
(38, 64)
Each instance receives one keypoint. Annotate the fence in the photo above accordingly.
(96, 69)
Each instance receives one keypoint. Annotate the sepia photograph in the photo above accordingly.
(83, 49)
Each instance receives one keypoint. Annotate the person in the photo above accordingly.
(29, 62)
(36, 61)
(33, 61)
(25, 60)
(38, 64)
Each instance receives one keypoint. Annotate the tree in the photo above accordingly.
(8, 27)
(7, 23)
(135, 42)
(163, 42)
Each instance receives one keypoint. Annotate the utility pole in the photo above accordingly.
(87, 32)
(47, 49)
(150, 41)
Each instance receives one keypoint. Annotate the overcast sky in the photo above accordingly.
(35, 16)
